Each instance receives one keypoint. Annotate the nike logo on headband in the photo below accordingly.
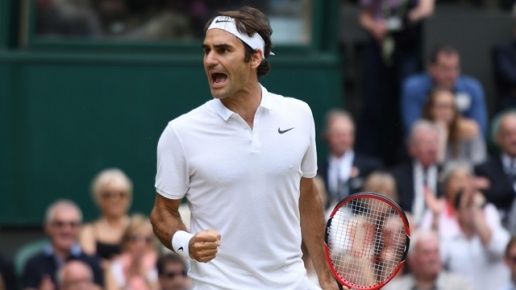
(219, 21)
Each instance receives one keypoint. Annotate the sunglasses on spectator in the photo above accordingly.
(137, 238)
(172, 275)
(62, 224)
(111, 194)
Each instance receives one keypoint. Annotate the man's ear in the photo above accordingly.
(256, 58)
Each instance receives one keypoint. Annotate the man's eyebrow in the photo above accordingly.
(218, 46)
(222, 45)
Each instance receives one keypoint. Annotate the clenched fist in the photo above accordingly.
(203, 246)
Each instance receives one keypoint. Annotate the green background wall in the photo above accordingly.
(64, 117)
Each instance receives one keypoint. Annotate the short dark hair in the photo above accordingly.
(250, 20)
(166, 259)
(441, 49)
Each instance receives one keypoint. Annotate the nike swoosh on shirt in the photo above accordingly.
(284, 131)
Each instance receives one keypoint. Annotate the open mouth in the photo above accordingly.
(218, 79)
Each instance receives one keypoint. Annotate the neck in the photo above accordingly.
(425, 283)
(62, 254)
(116, 221)
(339, 154)
(245, 103)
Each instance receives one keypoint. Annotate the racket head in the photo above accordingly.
(367, 239)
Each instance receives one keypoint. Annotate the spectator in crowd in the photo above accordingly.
(500, 170)
(441, 215)
(392, 53)
(426, 268)
(156, 20)
(7, 275)
(477, 251)
(443, 71)
(135, 268)
(172, 273)
(112, 192)
(382, 183)
(510, 261)
(460, 138)
(420, 174)
(66, 18)
(75, 275)
(62, 223)
(344, 170)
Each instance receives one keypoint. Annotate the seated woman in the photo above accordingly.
(460, 138)
(441, 215)
(135, 268)
(112, 192)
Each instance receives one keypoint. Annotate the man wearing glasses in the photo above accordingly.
(172, 273)
(62, 224)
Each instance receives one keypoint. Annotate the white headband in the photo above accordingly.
(228, 24)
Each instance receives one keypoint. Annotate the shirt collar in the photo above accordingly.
(75, 251)
(225, 113)
(506, 160)
(348, 155)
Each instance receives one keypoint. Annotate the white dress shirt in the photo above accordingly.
(482, 265)
(339, 171)
(419, 204)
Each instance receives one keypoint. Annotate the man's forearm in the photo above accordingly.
(166, 220)
(312, 228)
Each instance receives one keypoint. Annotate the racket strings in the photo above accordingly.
(366, 241)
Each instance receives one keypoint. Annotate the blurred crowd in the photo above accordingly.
(116, 251)
(458, 192)
(143, 20)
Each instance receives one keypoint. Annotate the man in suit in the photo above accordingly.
(500, 170)
(63, 220)
(419, 176)
(344, 170)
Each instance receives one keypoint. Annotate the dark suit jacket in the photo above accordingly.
(404, 176)
(365, 165)
(7, 273)
(42, 264)
(500, 192)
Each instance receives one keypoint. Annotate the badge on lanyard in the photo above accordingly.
(462, 101)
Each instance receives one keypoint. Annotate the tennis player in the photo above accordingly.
(245, 162)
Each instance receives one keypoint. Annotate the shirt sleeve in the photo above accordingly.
(477, 150)
(309, 163)
(498, 243)
(412, 101)
(172, 168)
(478, 110)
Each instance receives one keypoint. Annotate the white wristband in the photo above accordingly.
(180, 243)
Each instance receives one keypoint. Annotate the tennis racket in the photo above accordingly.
(367, 239)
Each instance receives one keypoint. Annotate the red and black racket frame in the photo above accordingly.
(398, 210)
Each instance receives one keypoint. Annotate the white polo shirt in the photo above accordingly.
(244, 184)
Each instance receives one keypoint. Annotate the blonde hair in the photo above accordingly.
(106, 177)
(137, 222)
(379, 181)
